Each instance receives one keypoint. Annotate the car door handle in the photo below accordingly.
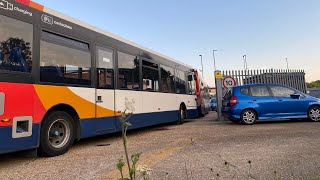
(254, 100)
(280, 100)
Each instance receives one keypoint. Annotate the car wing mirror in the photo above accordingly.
(295, 96)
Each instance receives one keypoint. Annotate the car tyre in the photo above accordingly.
(248, 117)
(314, 114)
(57, 134)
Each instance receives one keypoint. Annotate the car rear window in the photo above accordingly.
(228, 94)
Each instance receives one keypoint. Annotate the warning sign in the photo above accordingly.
(218, 75)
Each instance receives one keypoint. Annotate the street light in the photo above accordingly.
(245, 65)
(201, 65)
(287, 63)
(214, 61)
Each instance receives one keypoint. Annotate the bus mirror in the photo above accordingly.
(190, 78)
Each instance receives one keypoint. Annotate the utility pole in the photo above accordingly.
(245, 65)
(214, 61)
(201, 65)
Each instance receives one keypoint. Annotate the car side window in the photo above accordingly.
(244, 90)
(281, 91)
(259, 91)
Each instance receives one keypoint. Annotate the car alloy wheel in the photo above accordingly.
(248, 116)
(314, 114)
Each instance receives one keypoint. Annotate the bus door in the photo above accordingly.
(105, 94)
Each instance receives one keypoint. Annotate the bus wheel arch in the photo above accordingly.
(184, 107)
(64, 120)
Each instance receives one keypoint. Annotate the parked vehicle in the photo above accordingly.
(213, 103)
(315, 92)
(249, 103)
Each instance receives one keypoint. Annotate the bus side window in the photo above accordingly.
(128, 67)
(105, 69)
(69, 63)
(15, 45)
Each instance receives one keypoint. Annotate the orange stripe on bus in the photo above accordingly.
(36, 6)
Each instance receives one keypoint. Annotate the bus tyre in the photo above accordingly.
(181, 115)
(57, 134)
(248, 117)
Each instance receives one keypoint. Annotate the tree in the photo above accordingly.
(313, 84)
(18, 54)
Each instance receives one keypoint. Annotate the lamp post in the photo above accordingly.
(287, 63)
(245, 65)
(214, 61)
(201, 65)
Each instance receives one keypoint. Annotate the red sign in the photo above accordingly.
(228, 82)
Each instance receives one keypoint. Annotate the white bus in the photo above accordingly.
(62, 80)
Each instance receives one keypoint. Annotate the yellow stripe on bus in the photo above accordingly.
(53, 95)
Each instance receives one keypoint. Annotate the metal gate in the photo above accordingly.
(292, 78)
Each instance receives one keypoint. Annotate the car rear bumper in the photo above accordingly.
(231, 113)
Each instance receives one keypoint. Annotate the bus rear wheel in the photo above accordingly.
(57, 134)
(182, 115)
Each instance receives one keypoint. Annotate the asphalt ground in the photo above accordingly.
(199, 149)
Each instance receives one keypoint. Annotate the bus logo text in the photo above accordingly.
(49, 20)
(8, 6)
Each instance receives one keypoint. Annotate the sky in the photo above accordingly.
(267, 32)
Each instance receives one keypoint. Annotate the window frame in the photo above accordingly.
(294, 91)
(95, 65)
(118, 74)
(92, 83)
(185, 81)
(18, 76)
(245, 87)
(267, 87)
(174, 87)
(141, 59)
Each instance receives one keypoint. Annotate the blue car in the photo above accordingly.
(248, 103)
(213, 103)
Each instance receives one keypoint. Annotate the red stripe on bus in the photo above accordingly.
(25, 2)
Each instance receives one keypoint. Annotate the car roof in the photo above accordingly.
(248, 85)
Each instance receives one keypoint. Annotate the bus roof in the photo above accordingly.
(98, 30)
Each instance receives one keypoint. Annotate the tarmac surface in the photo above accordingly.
(199, 149)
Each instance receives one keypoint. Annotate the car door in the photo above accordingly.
(287, 104)
(262, 101)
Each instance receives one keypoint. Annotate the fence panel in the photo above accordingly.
(292, 78)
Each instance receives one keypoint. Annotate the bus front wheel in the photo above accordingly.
(57, 133)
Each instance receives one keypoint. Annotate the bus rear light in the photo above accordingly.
(5, 120)
(233, 100)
